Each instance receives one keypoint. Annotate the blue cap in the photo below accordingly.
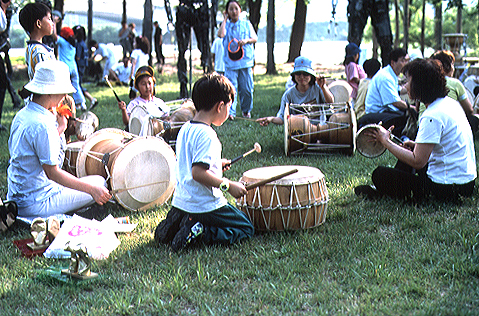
(352, 49)
(303, 64)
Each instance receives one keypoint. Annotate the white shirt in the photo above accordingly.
(3, 21)
(33, 142)
(197, 143)
(452, 159)
(218, 49)
(141, 59)
(155, 107)
(122, 72)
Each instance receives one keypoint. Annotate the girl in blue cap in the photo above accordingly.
(308, 89)
(354, 72)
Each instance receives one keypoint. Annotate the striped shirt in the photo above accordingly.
(35, 53)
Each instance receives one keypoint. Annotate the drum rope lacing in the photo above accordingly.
(105, 165)
(312, 202)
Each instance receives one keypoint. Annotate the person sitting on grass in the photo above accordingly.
(371, 67)
(199, 209)
(441, 163)
(35, 181)
(309, 88)
(120, 72)
(457, 91)
(145, 84)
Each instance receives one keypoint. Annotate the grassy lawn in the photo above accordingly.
(369, 257)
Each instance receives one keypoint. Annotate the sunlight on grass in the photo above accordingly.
(368, 258)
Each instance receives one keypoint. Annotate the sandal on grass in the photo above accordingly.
(8, 214)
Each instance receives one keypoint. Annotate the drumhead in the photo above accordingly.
(139, 116)
(146, 168)
(114, 134)
(305, 174)
(365, 147)
(341, 90)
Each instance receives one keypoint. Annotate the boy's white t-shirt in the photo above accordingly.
(197, 144)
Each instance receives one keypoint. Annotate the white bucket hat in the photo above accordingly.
(51, 77)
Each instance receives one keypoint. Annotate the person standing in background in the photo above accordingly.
(81, 57)
(354, 72)
(238, 38)
(66, 53)
(217, 51)
(123, 35)
(158, 38)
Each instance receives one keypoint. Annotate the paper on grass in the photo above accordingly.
(98, 237)
(117, 227)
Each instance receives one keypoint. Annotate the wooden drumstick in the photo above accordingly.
(393, 137)
(257, 148)
(112, 192)
(111, 87)
(274, 178)
(245, 118)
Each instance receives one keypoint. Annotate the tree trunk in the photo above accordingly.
(123, 14)
(148, 24)
(254, 13)
(396, 39)
(406, 24)
(438, 25)
(297, 31)
(90, 20)
(423, 26)
(270, 38)
(375, 45)
(459, 19)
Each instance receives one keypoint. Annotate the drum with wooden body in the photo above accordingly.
(341, 90)
(140, 170)
(319, 127)
(71, 156)
(297, 201)
(371, 148)
(143, 124)
(365, 146)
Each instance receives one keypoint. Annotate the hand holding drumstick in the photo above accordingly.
(227, 164)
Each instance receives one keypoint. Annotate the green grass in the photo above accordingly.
(369, 257)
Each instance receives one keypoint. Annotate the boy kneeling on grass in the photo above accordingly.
(199, 209)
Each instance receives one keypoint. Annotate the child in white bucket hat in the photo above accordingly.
(35, 181)
(309, 88)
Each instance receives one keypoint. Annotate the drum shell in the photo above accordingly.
(339, 129)
(291, 203)
(71, 156)
(142, 168)
(298, 125)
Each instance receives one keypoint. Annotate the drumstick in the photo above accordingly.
(279, 176)
(245, 118)
(257, 148)
(111, 87)
(394, 137)
(136, 187)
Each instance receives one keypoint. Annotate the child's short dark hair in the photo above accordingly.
(371, 67)
(31, 13)
(211, 89)
(92, 43)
